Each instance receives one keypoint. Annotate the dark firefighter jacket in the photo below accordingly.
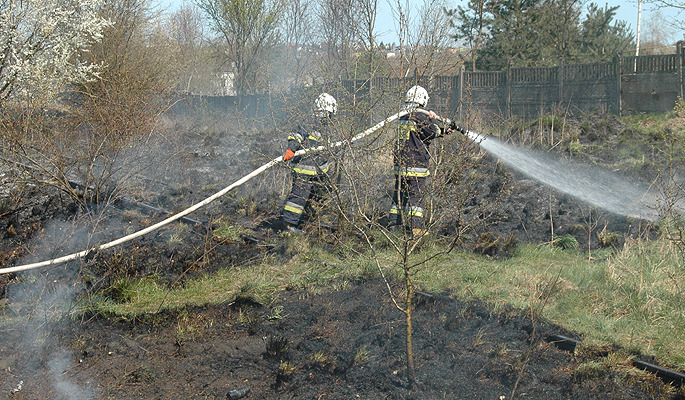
(415, 131)
(310, 134)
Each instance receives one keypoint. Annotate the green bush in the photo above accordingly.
(608, 239)
(565, 242)
(574, 147)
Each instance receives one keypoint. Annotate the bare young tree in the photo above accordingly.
(671, 190)
(186, 31)
(400, 254)
(247, 30)
(135, 87)
(367, 13)
(424, 34)
(366, 24)
(675, 10)
(298, 34)
(433, 37)
(337, 33)
(658, 38)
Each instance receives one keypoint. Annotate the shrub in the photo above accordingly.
(574, 147)
(608, 239)
(565, 242)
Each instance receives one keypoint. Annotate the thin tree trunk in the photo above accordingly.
(408, 314)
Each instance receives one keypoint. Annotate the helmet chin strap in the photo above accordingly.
(322, 114)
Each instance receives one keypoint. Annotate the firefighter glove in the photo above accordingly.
(454, 127)
(288, 155)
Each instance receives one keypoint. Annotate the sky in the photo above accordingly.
(627, 11)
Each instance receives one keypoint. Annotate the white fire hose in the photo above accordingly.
(189, 210)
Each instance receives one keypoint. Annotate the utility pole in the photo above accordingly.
(637, 38)
(639, 22)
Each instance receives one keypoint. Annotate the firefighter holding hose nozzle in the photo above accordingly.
(310, 169)
(414, 133)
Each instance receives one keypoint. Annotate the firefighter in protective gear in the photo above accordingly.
(414, 133)
(310, 169)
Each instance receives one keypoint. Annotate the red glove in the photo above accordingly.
(288, 155)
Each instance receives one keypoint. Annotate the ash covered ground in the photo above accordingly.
(341, 345)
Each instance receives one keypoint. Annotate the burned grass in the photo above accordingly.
(313, 337)
(337, 345)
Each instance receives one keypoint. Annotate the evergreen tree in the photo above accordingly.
(558, 28)
(526, 33)
(512, 35)
(600, 39)
(470, 25)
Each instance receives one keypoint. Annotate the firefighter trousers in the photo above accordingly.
(307, 189)
(407, 199)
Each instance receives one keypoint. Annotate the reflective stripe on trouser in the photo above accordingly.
(409, 192)
(304, 191)
(412, 171)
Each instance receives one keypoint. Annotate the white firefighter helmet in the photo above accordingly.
(417, 94)
(326, 103)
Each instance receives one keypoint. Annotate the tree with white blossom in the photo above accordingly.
(40, 43)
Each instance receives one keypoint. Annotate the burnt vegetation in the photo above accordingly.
(318, 339)
(224, 303)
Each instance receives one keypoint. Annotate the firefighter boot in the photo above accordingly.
(295, 230)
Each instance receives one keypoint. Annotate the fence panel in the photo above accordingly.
(485, 79)
(629, 84)
(485, 101)
(590, 72)
(535, 75)
(649, 92)
(646, 64)
(533, 99)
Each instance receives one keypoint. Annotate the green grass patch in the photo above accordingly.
(633, 297)
(225, 231)
(645, 122)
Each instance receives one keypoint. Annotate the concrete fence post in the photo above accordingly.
(619, 88)
(681, 78)
(509, 114)
(560, 77)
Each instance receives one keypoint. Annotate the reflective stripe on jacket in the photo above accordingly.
(411, 211)
(414, 133)
(308, 135)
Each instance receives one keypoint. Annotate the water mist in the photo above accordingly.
(593, 185)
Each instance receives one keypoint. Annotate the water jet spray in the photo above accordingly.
(595, 186)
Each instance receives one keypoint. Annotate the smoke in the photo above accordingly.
(593, 185)
(42, 302)
(59, 367)
(199, 154)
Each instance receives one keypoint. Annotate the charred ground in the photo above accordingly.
(342, 344)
